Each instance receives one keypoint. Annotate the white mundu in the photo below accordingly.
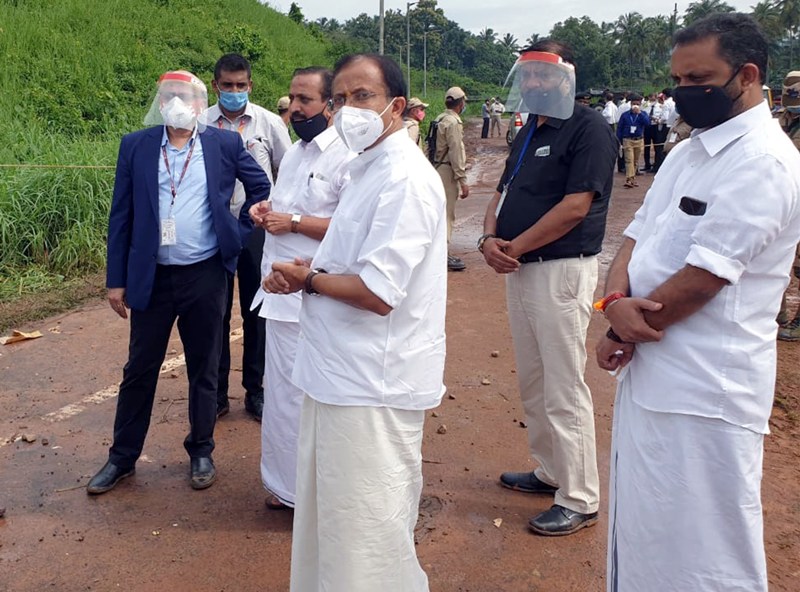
(311, 178)
(369, 378)
(692, 409)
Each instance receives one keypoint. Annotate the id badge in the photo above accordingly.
(633, 129)
(168, 236)
(500, 201)
(673, 138)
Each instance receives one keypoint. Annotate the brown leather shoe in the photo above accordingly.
(560, 521)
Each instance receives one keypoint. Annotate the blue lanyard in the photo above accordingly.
(521, 155)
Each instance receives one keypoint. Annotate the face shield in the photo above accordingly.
(542, 83)
(181, 97)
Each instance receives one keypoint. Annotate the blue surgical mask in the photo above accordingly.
(233, 101)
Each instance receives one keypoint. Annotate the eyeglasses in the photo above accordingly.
(168, 95)
(362, 97)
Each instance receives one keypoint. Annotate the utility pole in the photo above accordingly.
(380, 20)
(430, 29)
(408, 44)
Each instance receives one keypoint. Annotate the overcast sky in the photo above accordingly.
(521, 18)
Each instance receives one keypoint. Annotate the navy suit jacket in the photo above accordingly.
(134, 226)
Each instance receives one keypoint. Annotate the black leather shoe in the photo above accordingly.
(455, 264)
(527, 482)
(560, 521)
(223, 407)
(107, 478)
(254, 405)
(203, 472)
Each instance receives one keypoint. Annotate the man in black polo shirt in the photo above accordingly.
(543, 228)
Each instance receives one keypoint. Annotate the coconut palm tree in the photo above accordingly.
(701, 8)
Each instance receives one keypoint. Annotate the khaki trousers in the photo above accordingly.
(632, 149)
(359, 481)
(549, 306)
(451, 191)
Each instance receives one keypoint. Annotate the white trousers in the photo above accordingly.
(549, 306)
(359, 480)
(281, 418)
(684, 503)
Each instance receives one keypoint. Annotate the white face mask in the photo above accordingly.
(178, 114)
(359, 128)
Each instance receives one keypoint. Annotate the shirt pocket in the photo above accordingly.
(679, 229)
(321, 199)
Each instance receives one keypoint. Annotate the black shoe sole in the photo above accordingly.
(585, 524)
(223, 412)
(101, 490)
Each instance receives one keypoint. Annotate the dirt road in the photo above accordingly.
(154, 533)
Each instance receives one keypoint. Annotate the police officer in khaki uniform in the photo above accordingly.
(414, 114)
(790, 122)
(450, 160)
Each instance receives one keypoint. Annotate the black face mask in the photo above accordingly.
(308, 129)
(705, 105)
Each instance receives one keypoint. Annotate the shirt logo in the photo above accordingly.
(543, 151)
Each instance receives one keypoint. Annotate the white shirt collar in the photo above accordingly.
(214, 113)
(326, 138)
(371, 154)
(716, 138)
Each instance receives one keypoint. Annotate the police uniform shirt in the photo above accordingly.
(565, 156)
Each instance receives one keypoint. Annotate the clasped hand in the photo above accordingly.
(287, 277)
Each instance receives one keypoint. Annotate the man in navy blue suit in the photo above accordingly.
(171, 238)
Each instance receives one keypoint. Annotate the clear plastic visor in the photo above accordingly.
(185, 87)
(542, 83)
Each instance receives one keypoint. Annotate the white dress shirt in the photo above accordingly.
(312, 176)
(672, 112)
(624, 106)
(720, 361)
(390, 229)
(610, 113)
(264, 135)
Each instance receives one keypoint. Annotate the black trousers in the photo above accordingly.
(195, 295)
(248, 269)
(655, 136)
(485, 128)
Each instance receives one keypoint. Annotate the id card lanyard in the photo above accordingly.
(168, 231)
(515, 171)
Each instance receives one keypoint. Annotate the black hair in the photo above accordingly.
(450, 102)
(741, 40)
(553, 46)
(667, 92)
(324, 73)
(231, 62)
(392, 74)
(635, 97)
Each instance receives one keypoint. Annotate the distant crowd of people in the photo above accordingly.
(340, 245)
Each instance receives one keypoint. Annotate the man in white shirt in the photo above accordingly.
(692, 298)
(610, 110)
(295, 219)
(371, 355)
(655, 134)
(497, 113)
(266, 139)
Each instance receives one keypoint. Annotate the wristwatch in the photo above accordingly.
(308, 286)
(483, 239)
(296, 222)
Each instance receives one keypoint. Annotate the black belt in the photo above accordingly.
(542, 258)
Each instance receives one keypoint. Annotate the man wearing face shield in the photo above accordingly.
(266, 139)
(371, 356)
(543, 229)
(692, 298)
(171, 242)
(295, 219)
(790, 122)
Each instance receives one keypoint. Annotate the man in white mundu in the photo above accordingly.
(371, 354)
(295, 220)
(692, 298)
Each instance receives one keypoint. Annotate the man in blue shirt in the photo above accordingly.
(630, 131)
(171, 239)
